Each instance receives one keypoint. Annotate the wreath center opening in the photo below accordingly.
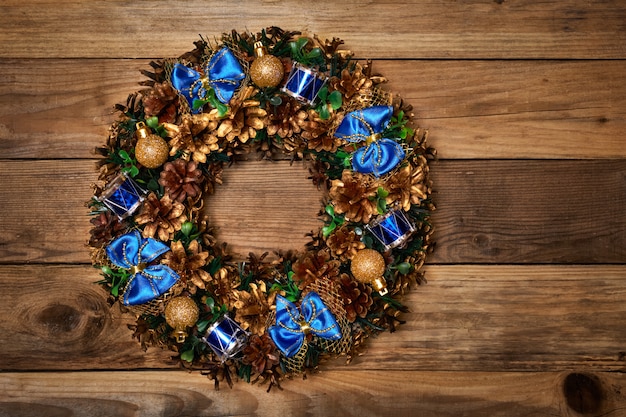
(264, 206)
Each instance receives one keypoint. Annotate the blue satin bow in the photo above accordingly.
(291, 328)
(223, 73)
(380, 155)
(147, 282)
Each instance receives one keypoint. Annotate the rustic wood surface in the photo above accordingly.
(525, 307)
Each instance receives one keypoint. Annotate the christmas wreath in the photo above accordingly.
(276, 94)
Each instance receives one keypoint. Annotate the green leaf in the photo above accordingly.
(124, 155)
(134, 171)
(222, 109)
(315, 53)
(187, 355)
(202, 325)
(381, 206)
(197, 103)
(301, 43)
(322, 94)
(327, 230)
(276, 100)
(330, 210)
(382, 193)
(335, 99)
(186, 228)
(106, 270)
(404, 268)
(153, 122)
(323, 112)
(210, 302)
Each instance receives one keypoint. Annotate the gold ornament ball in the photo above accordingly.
(266, 70)
(368, 267)
(151, 150)
(180, 313)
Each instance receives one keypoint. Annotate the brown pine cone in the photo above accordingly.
(260, 353)
(357, 297)
(354, 196)
(188, 263)
(158, 98)
(314, 265)
(408, 186)
(181, 179)
(344, 243)
(106, 227)
(162, 218)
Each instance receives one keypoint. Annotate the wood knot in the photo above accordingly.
(583, 393)
(60, 318)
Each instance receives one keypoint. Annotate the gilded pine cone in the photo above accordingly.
(344, 243)
(162, 218)
(260, 353)
(314, 265)
(354, 196)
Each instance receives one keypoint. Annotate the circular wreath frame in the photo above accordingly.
(271, 124)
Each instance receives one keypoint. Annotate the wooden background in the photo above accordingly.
(524, 313)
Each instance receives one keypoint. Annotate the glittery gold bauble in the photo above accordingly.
(151, 150)
(180, 313)
(368, 267)
(266, 70)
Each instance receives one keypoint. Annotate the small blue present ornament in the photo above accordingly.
(122, 196)
(225, 338)
(392, 229)
(304, 84)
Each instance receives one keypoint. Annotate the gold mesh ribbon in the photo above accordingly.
(157, 306)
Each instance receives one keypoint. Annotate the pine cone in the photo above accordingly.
(224, 282)
(188, 263)
(243, 124)
(357, 297)
(106, 227)
(260, 353)
(158, 98)
(181, 179)
(283, 122)
(351, 83)
(344, 243)
(252, 307)
(314, 265)
(408, 185)
(162, 218)
(195, 135)
(354, 196)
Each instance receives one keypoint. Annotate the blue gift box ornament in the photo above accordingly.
(122, 196)
(304, 84)
(225, 338)
(379, 155)
(392, 229)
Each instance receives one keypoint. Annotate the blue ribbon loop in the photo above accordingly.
(223, 73)
(380, 155)
(291, 327)
(147, 282)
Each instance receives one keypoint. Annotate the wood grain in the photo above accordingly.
(490, 211)
(334, 393)
(420, 29)
(523, 313)
(467, 318)
(473, 109)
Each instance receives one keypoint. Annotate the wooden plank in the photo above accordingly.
(489, 211)
(467, 318)
(473, 109)
(469, 29)
(530, 211)
(336, 393)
